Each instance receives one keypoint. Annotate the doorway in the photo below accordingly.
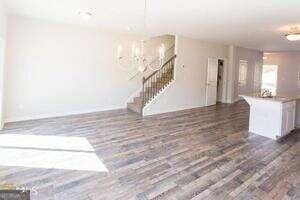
(220, 80)
(216, 81)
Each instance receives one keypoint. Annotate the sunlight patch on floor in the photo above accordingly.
(51, 152)
(45, 142)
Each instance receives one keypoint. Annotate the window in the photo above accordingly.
(269, 78)
(243, 67)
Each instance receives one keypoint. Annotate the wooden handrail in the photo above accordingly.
(153, 73)
(170, 49)
(158, 80)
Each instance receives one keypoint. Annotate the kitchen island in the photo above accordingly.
(273, 117)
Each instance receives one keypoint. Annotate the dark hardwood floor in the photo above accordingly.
(201, 153)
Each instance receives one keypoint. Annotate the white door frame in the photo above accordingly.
(225, 78)
(211, 86)
(2, 57)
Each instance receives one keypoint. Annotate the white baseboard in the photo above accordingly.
(56, 114)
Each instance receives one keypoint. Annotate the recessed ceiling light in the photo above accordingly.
(293, 37)
(85, 15)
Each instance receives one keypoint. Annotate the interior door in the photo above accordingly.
(211, 81)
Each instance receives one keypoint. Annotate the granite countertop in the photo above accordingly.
(279, 97)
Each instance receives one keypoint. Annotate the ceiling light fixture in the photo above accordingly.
(138, 58)
(293, 36)
(85, 15)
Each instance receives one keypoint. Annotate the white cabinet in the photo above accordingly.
(288, 117)
(271, 118)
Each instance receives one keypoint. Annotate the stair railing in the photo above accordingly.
(169, 53)
(158, 80)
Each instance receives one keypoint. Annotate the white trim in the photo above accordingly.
(231, 74)
(157, 95)
(176, 59)
(174, 110)
(225, 81)
(2, 77)
(57, 114)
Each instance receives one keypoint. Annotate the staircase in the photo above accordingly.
(153, 85)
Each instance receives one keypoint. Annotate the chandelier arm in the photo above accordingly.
(153, 66)
(126, 67)
(134, 75)
(139, 60)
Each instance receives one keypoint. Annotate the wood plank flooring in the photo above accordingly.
(201, 153)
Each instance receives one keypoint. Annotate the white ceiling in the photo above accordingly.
(257, 24)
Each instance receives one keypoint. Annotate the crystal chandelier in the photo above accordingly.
(138, 59)
(294, 34)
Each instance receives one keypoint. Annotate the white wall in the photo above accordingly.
(255, 62)
(188, 89)
(288, 75)
(2, 21)
(2, 56)
(58, 69)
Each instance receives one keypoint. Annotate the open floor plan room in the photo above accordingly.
(149, 100)
(201, 153)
